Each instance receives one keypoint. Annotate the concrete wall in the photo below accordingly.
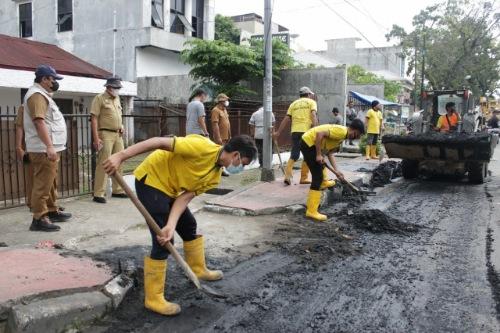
(344, 51)
(92, 35)
(367, 89)
(152, 61)
(329, 84)
(173, 89)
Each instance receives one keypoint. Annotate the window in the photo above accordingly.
(25, 23)
(157, 13)
(197, 18)
(64, 15)
(178, 22)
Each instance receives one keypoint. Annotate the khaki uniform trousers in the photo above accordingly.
(44, 191)
(112, 143)
(28, 181)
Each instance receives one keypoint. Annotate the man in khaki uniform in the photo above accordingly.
(220, 120)
(45, 136)
(107, 131)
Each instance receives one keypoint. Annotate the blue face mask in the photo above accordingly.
(235, 169)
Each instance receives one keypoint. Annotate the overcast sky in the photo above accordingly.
(315, 22)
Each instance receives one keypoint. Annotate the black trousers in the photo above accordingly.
(296, 139)
(316, 168)
(259, 143)
(158, 204)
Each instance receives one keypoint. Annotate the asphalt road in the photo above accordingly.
(428, 264)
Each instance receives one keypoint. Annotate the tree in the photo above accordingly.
(282, 56)
(221, 65)
(357, 74)
(456, 38)
(225, 29)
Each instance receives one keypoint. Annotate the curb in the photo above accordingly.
(66, 312)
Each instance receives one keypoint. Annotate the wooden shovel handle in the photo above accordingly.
(152, 224)
(348, 183)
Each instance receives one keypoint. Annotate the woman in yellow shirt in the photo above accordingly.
(178, 169)
(316, 141)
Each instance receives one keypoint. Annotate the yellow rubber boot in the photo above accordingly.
(194, 252)
(326, 183)
(373, 152)
(313, 201)
(289, 172)
(304, 172)
(155, 274)
(367, 151)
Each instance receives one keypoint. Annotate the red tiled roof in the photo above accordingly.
(24, 54)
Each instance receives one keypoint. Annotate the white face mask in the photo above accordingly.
(226, 103)
(116, 92)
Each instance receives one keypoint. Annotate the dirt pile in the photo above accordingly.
(376, 221)
(386, 171)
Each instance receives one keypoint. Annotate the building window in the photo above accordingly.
(64, 15)
(25, 21)
(176, 11)
(157, 13)
(197, 18)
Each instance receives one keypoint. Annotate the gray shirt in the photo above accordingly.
(337, 120)
(194, 110)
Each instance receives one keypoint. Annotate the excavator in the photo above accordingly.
(425, 151)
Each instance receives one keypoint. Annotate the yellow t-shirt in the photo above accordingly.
(336, 134)
(300, 112)
(374, 121)
(191, 166)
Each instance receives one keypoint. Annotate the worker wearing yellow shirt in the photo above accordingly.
(374, 127)
(302, 113)
(324, 139)
(178, 169)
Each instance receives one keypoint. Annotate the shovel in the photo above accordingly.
(152, 224)
(353, 187)
(279, 155)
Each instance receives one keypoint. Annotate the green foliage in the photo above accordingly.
(220, 66)
(282, 56)
(225, 29)
(456, 38)
(357, 74)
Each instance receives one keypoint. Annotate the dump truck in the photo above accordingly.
(424, 151)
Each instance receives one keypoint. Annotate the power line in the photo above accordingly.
(355, 28)
(367, 14)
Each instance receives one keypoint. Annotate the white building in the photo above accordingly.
(146, 39)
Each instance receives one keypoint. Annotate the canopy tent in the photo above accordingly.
(367, 99)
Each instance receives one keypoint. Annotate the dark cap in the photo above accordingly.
(449, 105)
(375, 103)
(114, 82)
(46, 70)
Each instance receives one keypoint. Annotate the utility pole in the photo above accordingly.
(415, 76)
(267, 173)
(422, 76)
(114, 43)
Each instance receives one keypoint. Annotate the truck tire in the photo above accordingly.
(409, 169)
(478, 171)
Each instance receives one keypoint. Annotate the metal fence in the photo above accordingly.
(77, 162)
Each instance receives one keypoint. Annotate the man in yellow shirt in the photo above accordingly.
(107, 131)
(324, 139)
(178, 169)
(302, 113)
(448, 122)
(374, 128)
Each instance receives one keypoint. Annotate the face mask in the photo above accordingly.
(234, 169)
(226, 103)
(55, 86)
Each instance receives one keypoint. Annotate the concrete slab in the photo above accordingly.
(58, 314)
(267, 197)
(35, 271)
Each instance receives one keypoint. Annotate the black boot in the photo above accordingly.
(43, 224)
(59, 216)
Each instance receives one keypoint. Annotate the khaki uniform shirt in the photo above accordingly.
(38, 106)
(221, 117)
(20, 116)
(108, 111)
